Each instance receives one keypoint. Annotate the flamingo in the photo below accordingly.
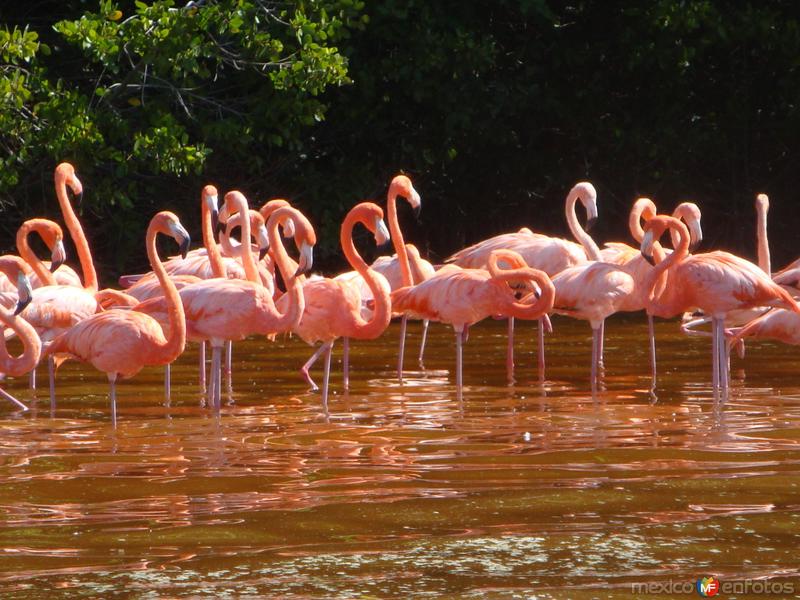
(121, 342)
(549, 254)
(631, 259)
(396, 269)
(716, 282)
(55, 273)
(55, 308)
(333, 308)
(221, 309)
(464, 296)
(14, 269)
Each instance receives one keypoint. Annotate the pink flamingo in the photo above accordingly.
(221, 309)
(55, 273)
(631, 259)
(55, 308)
(14, 269)
(462, 297)
(549, 254)
(333, 308)
(715, 282)
(397, 269)
(121, 342)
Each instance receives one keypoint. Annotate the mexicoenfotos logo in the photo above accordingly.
(707, 586)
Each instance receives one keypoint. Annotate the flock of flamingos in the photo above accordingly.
(226, 290)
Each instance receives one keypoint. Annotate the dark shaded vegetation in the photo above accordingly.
(495, 109)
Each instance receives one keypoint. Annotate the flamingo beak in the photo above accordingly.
(647, 247)
(263, 242)
(590, 223)
(25, 293)
(381, 233)
(417, 210)
(306, 259)
(214, 220)
(181, 236)
(58, 256)
(262, 252)
(696, 236)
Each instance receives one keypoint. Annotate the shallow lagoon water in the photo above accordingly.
(537, 489)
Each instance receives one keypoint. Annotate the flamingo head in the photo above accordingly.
(167, 222)
(689, 213)
(65, 173)
(401, 186)
(211, 202)
(270, 207)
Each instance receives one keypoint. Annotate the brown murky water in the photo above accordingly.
(532, 490)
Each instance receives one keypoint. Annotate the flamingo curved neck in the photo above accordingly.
(78, 237)
(287, 267)
(635, 218)
(380, 314)
(543, 304)
(176, 340)
(585, 240)
(214, 255)
(397, 240)
(654, 276)
(29, 256)
(31, 345)
(248, 262)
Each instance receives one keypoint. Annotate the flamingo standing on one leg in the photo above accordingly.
(549, 254)
(14, 269)
(223, 309)
(333, 308)
(716, 282)
(397, 269)
(121, 342)
(462, 297)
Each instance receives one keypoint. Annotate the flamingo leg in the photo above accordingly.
(51, 369)
(167, 381)
(202, 353)
(541, 345)
(216, 374)
(510, 351)
(425, 323)
(600, 362)
(346, 363)
(304, 370)
(402, 350)
(714, 357)
(11, 398)
(459, 364)
(652, 334)
(32, 379)
(327, 376)
(229, 364)
(112, 380)
(595, 338)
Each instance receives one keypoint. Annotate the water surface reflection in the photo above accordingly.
(536, 488)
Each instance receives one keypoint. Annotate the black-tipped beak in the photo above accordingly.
(79, 197)
(55, 264)
(262, 252)
(214, 220)
(185, 246)
(590, 223)
(21, 304)
(417, 210)
(220, 228)
(649, 258)
(385, 248)
(301, 271)
(537, 294)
